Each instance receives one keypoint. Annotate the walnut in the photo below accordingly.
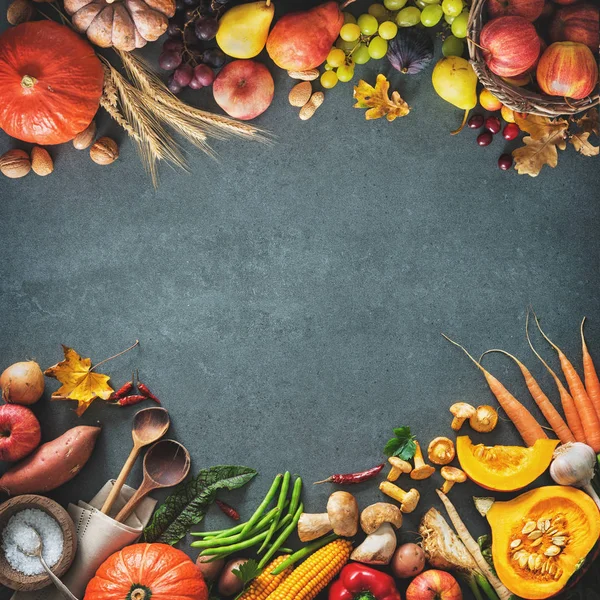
(15, 164)
(104, 151)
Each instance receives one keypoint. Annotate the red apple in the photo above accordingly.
(510, 45)
(20, 432)
(434, 585)
(529, 9)
(567, 69)
(302, 40)
(577, 23)
(244, 89)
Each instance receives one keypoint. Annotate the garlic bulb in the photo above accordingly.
(573, 464)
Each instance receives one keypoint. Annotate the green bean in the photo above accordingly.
(226, 541)
(283, 492)
(217, 532)
(300, 554)
(263, 505)
(285, 550)
(296, 493)
(285, 534)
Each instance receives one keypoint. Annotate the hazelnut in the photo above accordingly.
(85, 138)
(104, 151)
(41, 161)
(15, 164)
(19, 12)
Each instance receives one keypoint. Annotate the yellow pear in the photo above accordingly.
(243, 29)
(455, 81)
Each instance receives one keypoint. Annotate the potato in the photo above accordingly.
(408, 561)
(210, 570)
(229, 584)
(52, 464)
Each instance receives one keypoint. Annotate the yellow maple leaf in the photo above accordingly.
(546, 137)
(78, 380)
(378, 101)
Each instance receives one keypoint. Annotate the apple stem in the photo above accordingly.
(476, 44)
(464, 122)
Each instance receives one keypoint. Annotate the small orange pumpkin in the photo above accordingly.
(145, 571)
(50, 83)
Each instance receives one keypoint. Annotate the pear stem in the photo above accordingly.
(464, 122)
(345, 4)
(268, 2)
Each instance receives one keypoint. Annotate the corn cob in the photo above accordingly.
(266, 583)
(315, 573)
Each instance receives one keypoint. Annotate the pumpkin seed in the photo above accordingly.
(523, 559)
(515, 543)
(531, 561)
(560, 534)
(541, 525)
(558, 574)
(551, 569)
(534, 535)
(559, 540)
(553, 531)
(547, 524)
(538, 562)
(479, 451)
(517, 555)
(528, 528)
(545, 567)
(552, 551)
(537, 542)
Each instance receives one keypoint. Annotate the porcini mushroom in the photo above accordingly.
(379, 521)
(399, 466)
(408, 500)
(441, 451)
(485, 419)
(461, 411)
(452, 475)
(341, 517)
(421, 470)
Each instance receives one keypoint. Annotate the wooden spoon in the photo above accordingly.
(149, 425)
(166, 464)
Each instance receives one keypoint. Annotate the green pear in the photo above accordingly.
(243, 29)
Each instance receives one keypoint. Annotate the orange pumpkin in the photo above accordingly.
(145, 571)
(50, 82)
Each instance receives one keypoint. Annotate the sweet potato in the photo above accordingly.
(52, 464)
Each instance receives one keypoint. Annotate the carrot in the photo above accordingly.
(583, 404)
(592, 383)
(553, 417)
(522, 419)
(473, 548)
(567, 402)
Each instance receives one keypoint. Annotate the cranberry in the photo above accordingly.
(485, 138)
(505, 162)
(511, 131)
(493, 125)
(475, 122)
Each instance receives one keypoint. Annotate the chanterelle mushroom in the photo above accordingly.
(452, 475)
(441, 451)
(399, 466)
(378, 521)
(341, 516)
(461, 411)
(408, 500)
(421, 470)
(485, 419)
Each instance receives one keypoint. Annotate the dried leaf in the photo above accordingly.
(582, 144)
(378, 101)
(79, 382)
(589, 122)
(546, 137)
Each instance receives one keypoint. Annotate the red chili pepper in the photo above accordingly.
(131, 400)
(359, 581)
(145, 391)
(350, 478)
(125, 389)
(228, 510)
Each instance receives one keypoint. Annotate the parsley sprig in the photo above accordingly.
(402, 444)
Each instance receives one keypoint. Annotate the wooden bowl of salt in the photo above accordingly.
(54, 526)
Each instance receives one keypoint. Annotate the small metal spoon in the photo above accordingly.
(38, 553)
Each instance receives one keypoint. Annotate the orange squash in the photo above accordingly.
(50, 82)
(567, 522)
(145, 571)
(504, 468)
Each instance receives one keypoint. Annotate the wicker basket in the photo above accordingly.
(517, 98)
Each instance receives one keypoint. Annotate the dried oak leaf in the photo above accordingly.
(378, 101)
(588, 125)
(589, 122)
(546, 137)
(78, 380)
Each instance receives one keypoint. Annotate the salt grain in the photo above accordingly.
(20, 533)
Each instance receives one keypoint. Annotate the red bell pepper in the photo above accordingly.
(359, 582)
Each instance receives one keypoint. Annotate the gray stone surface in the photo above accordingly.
(289, 298)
